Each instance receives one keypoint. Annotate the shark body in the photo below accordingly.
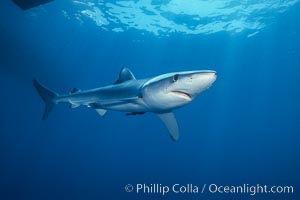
(160, 95)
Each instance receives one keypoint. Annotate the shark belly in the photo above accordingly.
(132, 105)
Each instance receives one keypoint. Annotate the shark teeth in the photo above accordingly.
(184, 95)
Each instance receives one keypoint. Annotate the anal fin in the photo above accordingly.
(101, 112)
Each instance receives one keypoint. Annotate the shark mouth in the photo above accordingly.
(184, 95)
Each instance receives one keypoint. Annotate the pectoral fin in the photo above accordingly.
(170, 121)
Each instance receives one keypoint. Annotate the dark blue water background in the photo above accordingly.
(245, 129)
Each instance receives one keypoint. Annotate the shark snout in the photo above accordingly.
(212, 78)
(205, 80)
(212, 74)
(209, 77)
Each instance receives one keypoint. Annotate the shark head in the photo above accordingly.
(173, 90)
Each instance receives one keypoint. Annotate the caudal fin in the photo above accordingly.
(48, 97)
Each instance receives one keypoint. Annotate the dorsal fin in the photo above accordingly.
(74, 90)
(125, 75)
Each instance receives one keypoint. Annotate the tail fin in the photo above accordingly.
(47, 95)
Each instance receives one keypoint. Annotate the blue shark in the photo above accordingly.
(160, 95)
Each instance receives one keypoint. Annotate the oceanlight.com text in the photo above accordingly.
(164, 189)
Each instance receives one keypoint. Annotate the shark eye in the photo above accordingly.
(175, 78)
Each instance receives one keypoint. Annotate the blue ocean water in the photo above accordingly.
(243, 130)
